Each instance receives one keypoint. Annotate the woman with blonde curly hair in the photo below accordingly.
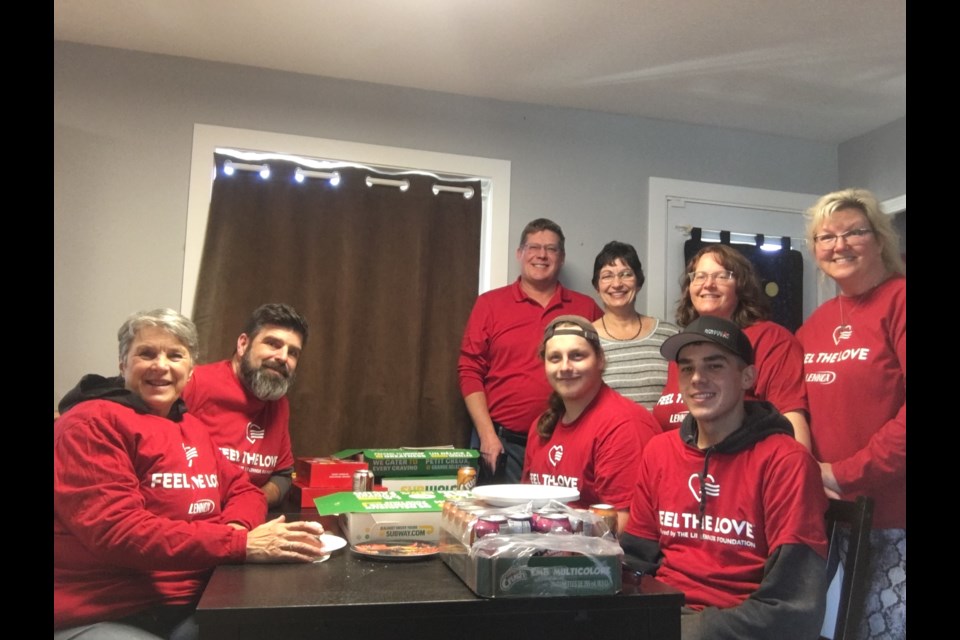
(855, 368)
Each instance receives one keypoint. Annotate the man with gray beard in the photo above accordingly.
(243, 400)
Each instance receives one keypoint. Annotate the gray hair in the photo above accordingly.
(180, 326)
(866, 203)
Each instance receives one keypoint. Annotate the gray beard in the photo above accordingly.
(266, 386)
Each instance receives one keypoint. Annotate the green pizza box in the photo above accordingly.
(387, 516)
(413, 484)
(413, 462)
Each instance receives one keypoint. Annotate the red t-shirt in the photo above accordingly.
(856, 375)
(759, 498)
(252, 433)
(597, 454)
(498, 355)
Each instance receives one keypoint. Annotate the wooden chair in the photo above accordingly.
(856, 519)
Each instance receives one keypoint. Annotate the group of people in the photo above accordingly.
(165, 471)
(718, 439)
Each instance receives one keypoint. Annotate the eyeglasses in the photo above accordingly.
(537, 248)
(852, 237)
(702, 277)
(624, 276)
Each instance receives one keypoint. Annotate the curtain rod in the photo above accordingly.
(758, 239)
(334, 177)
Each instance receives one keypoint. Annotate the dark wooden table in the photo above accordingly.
(348, 596)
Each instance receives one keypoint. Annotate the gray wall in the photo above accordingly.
(123, 126)
(877, 161)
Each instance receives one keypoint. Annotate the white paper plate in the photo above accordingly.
(332, 543)
(506, 495)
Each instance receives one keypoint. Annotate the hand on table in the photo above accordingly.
(282, 541)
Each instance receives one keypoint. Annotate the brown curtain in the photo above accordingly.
(386, 279)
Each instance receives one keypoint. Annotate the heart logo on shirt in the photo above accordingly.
(191, 453)
(254, 432)
(842, 332)
(711, 486)
(554, 454)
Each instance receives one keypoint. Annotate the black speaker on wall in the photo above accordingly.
(780, 273)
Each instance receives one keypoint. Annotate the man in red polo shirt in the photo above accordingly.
(501, 377)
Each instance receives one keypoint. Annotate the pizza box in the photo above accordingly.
(413, 462)
(327, 471)
(303, 496)
(387, 516)
(430, 483)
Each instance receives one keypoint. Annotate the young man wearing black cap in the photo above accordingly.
(729, 509)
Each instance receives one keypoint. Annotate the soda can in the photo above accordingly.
(489, 526)
(609, 515)
(466, 478)
(538, 516)
(363, 480)
(553, 523)
(519, 523)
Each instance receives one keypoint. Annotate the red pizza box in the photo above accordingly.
(327, 472)
(304, 496)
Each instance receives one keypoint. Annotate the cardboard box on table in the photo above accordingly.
(303, 495)
(533, 564)
(327, 471)
(387, 516)
(418, 485)
(401, 463)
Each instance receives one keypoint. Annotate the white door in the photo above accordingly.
(676, 206)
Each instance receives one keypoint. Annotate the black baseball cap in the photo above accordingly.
(710, 329)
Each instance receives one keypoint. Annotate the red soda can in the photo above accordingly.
(556, 523)
(538, 515)
(488, 526)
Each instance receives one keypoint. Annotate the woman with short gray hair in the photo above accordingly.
(144, 504)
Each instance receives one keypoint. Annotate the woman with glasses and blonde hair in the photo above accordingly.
(721, 282)
(630, 340)
(855, 368)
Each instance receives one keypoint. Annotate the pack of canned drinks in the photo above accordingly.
(521, 551)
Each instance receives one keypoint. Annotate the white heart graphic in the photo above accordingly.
(555, 453)
(693, 483)
(842, 332)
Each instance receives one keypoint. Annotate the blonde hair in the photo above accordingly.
(867, 204)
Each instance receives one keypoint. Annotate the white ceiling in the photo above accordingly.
(825, 70)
